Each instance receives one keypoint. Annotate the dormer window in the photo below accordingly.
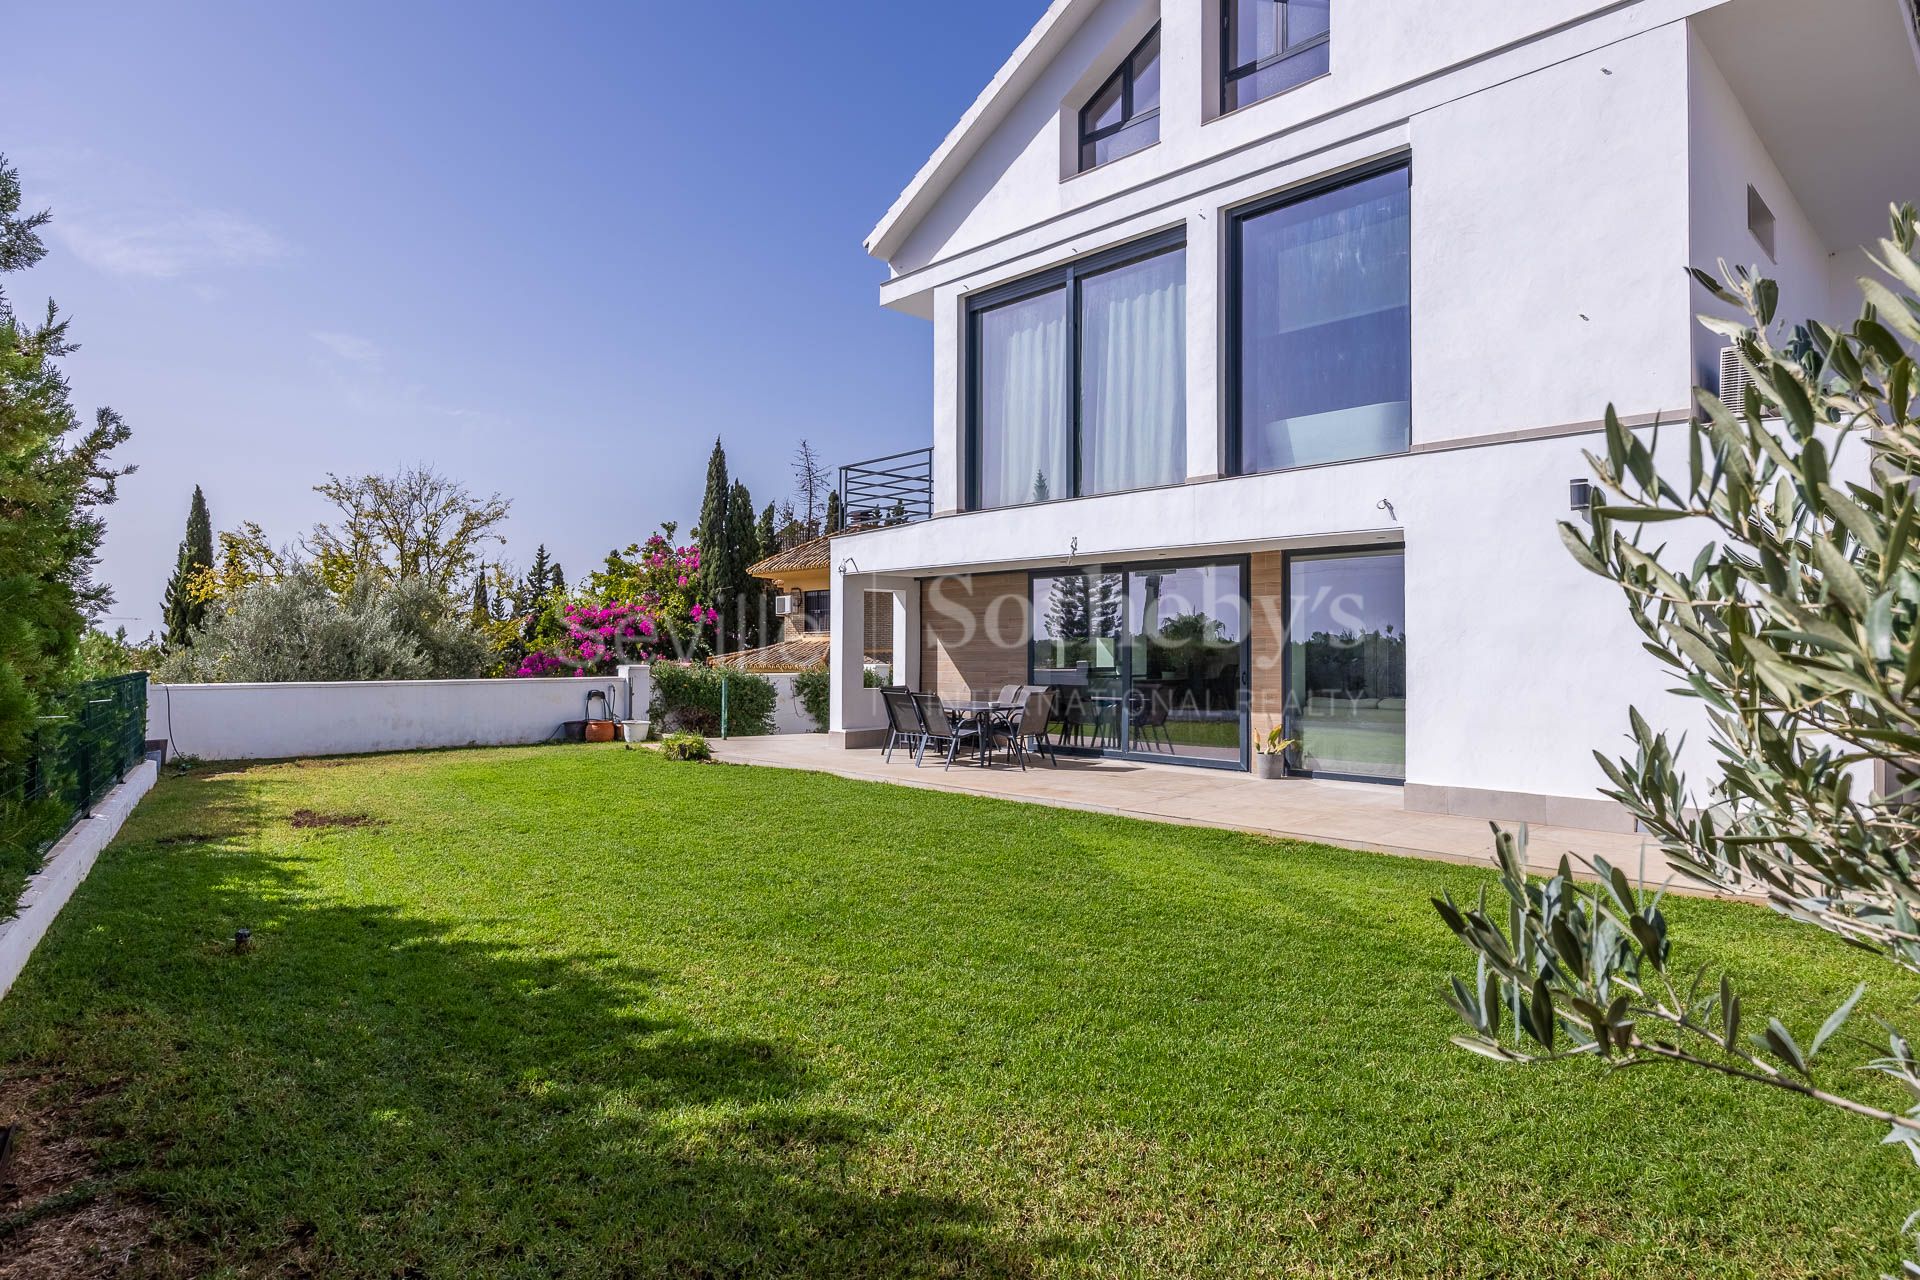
(1124, 116)
(1271, 46)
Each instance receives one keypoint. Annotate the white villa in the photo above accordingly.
(1268, 336)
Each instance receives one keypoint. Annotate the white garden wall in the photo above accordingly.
(283, 721)
(789, 715)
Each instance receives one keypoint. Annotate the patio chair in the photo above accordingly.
(1026, 732)
(1148, 708)
(938, 730)
(903, 724)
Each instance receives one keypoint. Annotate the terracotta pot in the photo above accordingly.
(599, 730)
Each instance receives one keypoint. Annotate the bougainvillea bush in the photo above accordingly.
(644, 606)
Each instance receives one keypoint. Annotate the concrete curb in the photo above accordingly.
(67, 864)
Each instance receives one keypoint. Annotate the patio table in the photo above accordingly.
(982, 714)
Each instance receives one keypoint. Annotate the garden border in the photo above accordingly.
(66, 865)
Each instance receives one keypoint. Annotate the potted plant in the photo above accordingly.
(1270, 754)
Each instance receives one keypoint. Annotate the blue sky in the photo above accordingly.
(554, 254)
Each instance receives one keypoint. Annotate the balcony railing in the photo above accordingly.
(895, 489)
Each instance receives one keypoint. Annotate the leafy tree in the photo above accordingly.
(54, 478)
(1795, 625)
(415, 523)
(246, 557)
(184, 608)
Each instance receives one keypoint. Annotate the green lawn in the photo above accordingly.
(583, 1011)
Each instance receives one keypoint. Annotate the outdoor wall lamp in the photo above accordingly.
(1580, 496)
(1386, 506)
(847, 566)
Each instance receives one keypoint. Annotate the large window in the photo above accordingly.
(1148, 660)
(1271, 46)
(1347, 663)
(1321, 347)
(1124, 115)
(1079, 381)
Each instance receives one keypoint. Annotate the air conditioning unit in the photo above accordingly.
(1733, 378)
(782, 606)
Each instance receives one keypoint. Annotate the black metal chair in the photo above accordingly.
(903, 723)
(938, 730)
(1026, 732)
(1148, 709)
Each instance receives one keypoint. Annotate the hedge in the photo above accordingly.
(687, 698)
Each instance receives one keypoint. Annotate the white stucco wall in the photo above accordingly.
(789, 713)
(285, 721)
(1549, 234)
(1549, 228)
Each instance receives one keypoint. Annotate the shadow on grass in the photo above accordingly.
(372, 1092)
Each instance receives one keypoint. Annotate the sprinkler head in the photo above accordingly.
(242, 939)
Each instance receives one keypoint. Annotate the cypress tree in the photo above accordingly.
(836, 519)
(481, 611)
(710, 535)
(558, 582)
(183, 614)
(744, 591)
(767, 533)
(533, 588)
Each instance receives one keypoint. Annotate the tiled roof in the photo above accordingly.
(807, 652)
(811, 554)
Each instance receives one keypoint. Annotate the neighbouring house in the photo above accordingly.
(1268, 336)
(801, 576)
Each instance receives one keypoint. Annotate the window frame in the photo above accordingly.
(1232, 460)
(1124, 73)
(1230, 72)
(1066, 277)
(807, 613)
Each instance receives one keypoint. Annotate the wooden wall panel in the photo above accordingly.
(974, 630)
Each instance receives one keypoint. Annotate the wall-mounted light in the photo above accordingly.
(1580, 496)
(847, 566)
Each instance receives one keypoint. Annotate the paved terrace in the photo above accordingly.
(1353, 815)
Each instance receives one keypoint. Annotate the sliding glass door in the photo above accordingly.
(1146, 661)
(1347, 664)
(1186, 631)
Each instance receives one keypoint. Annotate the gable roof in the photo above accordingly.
(815, 553)
(1002, 92)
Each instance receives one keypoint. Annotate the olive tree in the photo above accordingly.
(1795, 626)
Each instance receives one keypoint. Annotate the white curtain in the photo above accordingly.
(1133, 405)
(1025, 419)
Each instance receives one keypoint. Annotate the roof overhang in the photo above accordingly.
(1834, 92)
(1009, 84)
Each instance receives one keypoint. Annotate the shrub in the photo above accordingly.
(682, 692)
(815, 691)
(292, 628)
(685, 746)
